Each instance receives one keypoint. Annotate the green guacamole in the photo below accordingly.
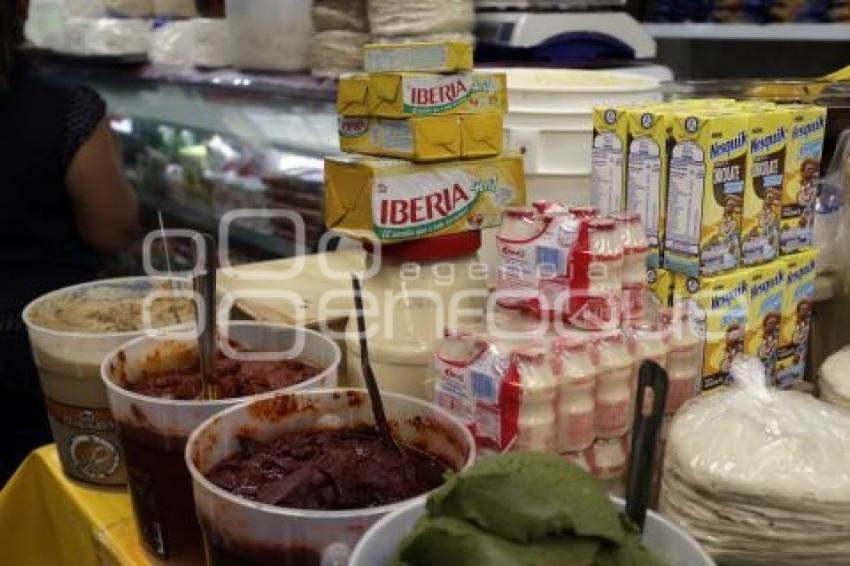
(523, 509)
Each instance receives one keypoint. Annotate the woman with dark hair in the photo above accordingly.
(63, 199)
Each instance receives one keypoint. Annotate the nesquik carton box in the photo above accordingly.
(646, 184)
(764, 319)
(718, 306)
(770, 130)
(802, 172)
(796, 316)
(709, 172)
(608, 161)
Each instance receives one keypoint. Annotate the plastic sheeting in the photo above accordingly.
(761, 476)
(392, 18)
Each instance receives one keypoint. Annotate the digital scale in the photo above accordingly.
(526, 24)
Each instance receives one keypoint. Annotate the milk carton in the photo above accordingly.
(608, 171)
(709, 175)
(770, 130)
(718, 307)
(767, 294)
(796, 317)
(802, 171)
(646, 185)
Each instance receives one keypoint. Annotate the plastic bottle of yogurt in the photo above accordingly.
(608, 459)
(648, 341)
(536, 408)
(684, 360)
(613, 392)
(635, 251)
(576, 374)
(597, 279)
(516, 277)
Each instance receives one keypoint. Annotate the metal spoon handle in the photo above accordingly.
(204, 283)
(366, 367)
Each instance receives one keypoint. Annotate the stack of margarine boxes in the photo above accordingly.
(426, 131)
(727, 191)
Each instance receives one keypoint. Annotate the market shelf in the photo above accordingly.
(750, 32)
(193, 216)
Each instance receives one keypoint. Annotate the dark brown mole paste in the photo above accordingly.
(350, 468)
(233, 378)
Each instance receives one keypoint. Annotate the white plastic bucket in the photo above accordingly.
(554, 152)
(550, 113)
(567, 91)
(246, 531)
(153, 431)
(667, 542)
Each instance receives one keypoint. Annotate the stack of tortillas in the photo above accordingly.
(759, 476)
(834, 378)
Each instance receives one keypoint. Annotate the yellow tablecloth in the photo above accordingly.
(47, 519)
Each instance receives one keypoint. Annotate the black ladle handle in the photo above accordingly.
(644, 440)
(204, 283)
(366, 367)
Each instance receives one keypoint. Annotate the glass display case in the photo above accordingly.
(198, 144)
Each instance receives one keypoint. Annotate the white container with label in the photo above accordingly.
(419, 288)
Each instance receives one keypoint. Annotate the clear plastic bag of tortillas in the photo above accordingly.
(760, 476)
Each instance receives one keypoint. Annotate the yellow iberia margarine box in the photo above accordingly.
(764, 318)
(802, 172)
(709, 172)
(423, 138)
(352, 95)
(796, 316)
(770, 128)
(393, 200)
(481, 135)
(719, 306)
(646, 184)
(608, 159)
(427, 57)
(400, 95)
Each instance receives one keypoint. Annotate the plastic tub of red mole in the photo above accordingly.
(153, 431)
(240, 531)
